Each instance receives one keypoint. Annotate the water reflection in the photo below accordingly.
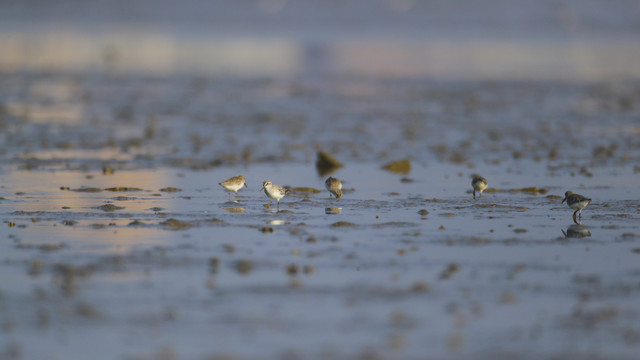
(133, 52)
(155, 53)
(276, 222)
(234, 210)
(44, 190)
(333, 210)
(576, 231)
(489, 59)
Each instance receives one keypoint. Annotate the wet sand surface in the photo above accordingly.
(117, 238)
(116, 241)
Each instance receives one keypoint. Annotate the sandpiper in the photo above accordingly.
(576, 202)
(234, 184)
(274, 191)
(334, 186)
(479, 184)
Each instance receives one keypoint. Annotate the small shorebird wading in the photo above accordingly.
(334, 186)
(274, 191)
(479, 184)
(234, 184)
(576, 202)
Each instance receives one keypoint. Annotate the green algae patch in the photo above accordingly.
(214, 221)
(307, 190)
(244, 266)
(67, 276)
(474, 240)
(67, 270)
(46, 247)
(343, 224)
(87, 189)
(326, 163)
(531, 190)
(170, 189)
(449, 271)
(394, 224)
(398, 167)
(123, 188)
(176, 224)
(267, 229)
(123, 198)
(109, 207)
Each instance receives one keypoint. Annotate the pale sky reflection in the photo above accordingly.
(134, 52)
(153, 53)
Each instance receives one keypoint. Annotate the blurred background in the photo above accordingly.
(585, 40)
(104, 105)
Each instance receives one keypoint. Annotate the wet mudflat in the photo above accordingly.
(118, 242)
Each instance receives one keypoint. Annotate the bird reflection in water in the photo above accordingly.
(333, 210)
(576, 231)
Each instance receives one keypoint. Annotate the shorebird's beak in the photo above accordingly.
(245, 184)
(563, 200)
(261, 189)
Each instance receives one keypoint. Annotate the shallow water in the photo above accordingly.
(116, 240)
(495, 275)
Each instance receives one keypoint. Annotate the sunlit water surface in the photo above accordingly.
(119, 120)
(460, 279)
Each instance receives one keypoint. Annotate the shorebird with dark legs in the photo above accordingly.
(334, 186)
(479, 184)
(576, 202)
